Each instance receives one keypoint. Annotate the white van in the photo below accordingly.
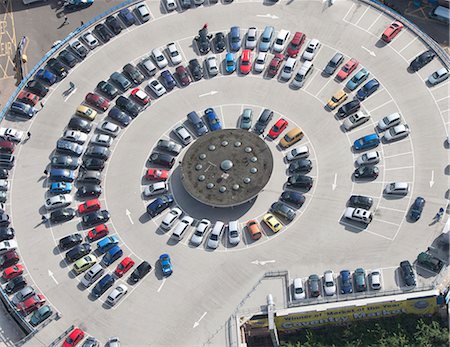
(93, 274)
(305, 70)
(397, 188)
(216, 233)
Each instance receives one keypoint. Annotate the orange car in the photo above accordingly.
(392, 31)
(28, 98)
(254, 229)
(347, 69)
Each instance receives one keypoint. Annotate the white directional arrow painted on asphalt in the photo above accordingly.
(197, 323)
(263, 262)
(212, 92)
(372, 53)
(128, 213)
(52, 276)
(333, 186)
(432, 179)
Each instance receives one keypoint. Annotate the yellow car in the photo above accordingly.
(84, 263)
(86, 112)
(272, 222)
(291, 137)
(337, 99)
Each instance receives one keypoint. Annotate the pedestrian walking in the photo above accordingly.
(44, 219)
(82, 23)
(205, 26)
(66, 20)
(28, 134)
(46, 172)
(42, 104)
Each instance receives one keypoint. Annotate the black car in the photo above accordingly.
(333, 64)
(89, 191)
(4, 219)
(185, 4)
(4, 173)
(57, 68)
(362, 201)
(128, 106)
(119, 116)
(196, 69)
(6, 233)
(202, 40)
(107, 89)
(113, 24)
(366, 172)
(300, 181)
(70, 241)
(283, 210)
(134, 74)
(263, 120)
(295, 198)
(95, 218)
(90, 176)
(421, 60)
(69, 148)
(300, 165)
(169, 146)
(407, 273)
(99, 152)
(78, 252)
(162, 159)
(416, 209)
(93, 164)
(103, 32)
(348, 108)
(64, 162)
(15, 285)
(102, 286)
(83, 125)
(219, 42)
(37, 88)
(62, 215)
(139, 273)
(127, 17)
(68, 58)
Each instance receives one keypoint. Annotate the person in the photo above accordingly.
(82, 23)
(205, 26)
(45, 172)
(66, 20)
(44, 219)
(29, 134)
(42, 104)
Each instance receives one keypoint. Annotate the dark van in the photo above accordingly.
(102, 286)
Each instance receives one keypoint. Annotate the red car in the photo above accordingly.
(295, 44)
(31, 304)
(74, 338)
(157, 174)
(183, 76)
(392, 31)
(125, 265)
(141, 96)
(89, 206)
(98, 232)
(13, 271)
(275, 64)
(97, 101)
(246, 61)
(8, 259)
(347, 69)
(278, 128)
(28, 98)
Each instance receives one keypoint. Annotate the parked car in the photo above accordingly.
(360, 280)
(333, 64)
(366, 142)
(397, 132)
(355, 120)
(166, 264)
(37, 88)
(347, 69)
(78, 252)
(211, 66)
(408, 275)
(159, 58)
(314, 285)
(113, 24)
(329, 284)
(375, 279)
(95, 218)
(275, 64)
(283, 210)
(357, 79)
(129, 107)
(15, 284)
(235, 38)
(133, 73)
(139, 273)
(346, 282)
(358, 215)
(389, 121)
(203, 41)
(196, 69)
(127, 17)
(294, 198)
(366, 172)
(116, 294)
(260, 62)
(298, 152)
(298, 291)
(421, 60)
(200, 232)
(311, 49)
(361, 201)
(103, 33)
(337, 99)
(183, 76)
(28, 98)
(158, 205)
(120, 117)
(438, 76)
(168, 80)
(300, 181)
(62, 215)
(368, 89)
(415, 212)
(46, 76)
(120, 80)
(392, 31)
(279, 126)
(296, 43)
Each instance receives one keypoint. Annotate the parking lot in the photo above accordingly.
(207, 285)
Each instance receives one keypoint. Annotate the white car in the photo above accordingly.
(114, 342)
(57, 201)
(311, 49)
(102, 140)
(159, 58)
(211, 64)
(90, 40)
(171, 5)
(155, 189)
(78, 47)
(11, 134)
(398, 132)
(298, 292)
(369, 158)
(7, 246)
(251, 38)
(4, 185)
(356, 120)
(215, 235)
(143, 12)
(260, 62)
(375, 279)
(299, 152)
(288, 69)
(438, 76)
(181, 227)
(157, 88)
(233, 232)
(200, 231)
(174, 55)
(397, 188)
(116, 294)
(183, 134)
(280, 41)
(389, 121)
(108, 128)
(358, 215)
(170, 218)
(75, 136)
(329, 285)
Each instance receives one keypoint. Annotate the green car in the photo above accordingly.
(430, 262)
(40, 315)
(84, 263)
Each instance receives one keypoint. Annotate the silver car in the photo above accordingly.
(311, 49)
(116, 294)
(108, 128)
(200, 231)
(288, 69)
(251, 38)
(157, 88)
(75, 136)
(102, 140)
(396, 133)
(438, 76)
(369, 158)
(233, 232)
(90, 40)
(260, 62)
(356, 120)
(211, 64)
(159, 58)
(389, 121)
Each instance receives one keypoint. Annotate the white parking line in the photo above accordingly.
(409, 43)
(445, 97)
(162, 284)
(391, 209)
(371, 25)
(323, 87)
(351, 7)
(379, 235)
(387, 222)
(380, 106)
(398, 155)
(367, 9)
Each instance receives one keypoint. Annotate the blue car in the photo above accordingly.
(158, 205)
(368, 89)
(235, 38)
(60, 188)
(366, 142)
(168, 80)
(107, 243)
(212, 119)
(46, 76)
(346, 282)
(230, 63)
(73, 5)
(127, 17)
(357, 79)
(166, 264)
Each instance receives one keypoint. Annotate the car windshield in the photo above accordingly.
(230, 63)
(279, 41)
(329, 284)
(199, 233)
(173, 54)
(298, 290)
(310, 49)
(214, 237)
(345, 68)
(160, 58)
(334, 99)
(235, 39)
